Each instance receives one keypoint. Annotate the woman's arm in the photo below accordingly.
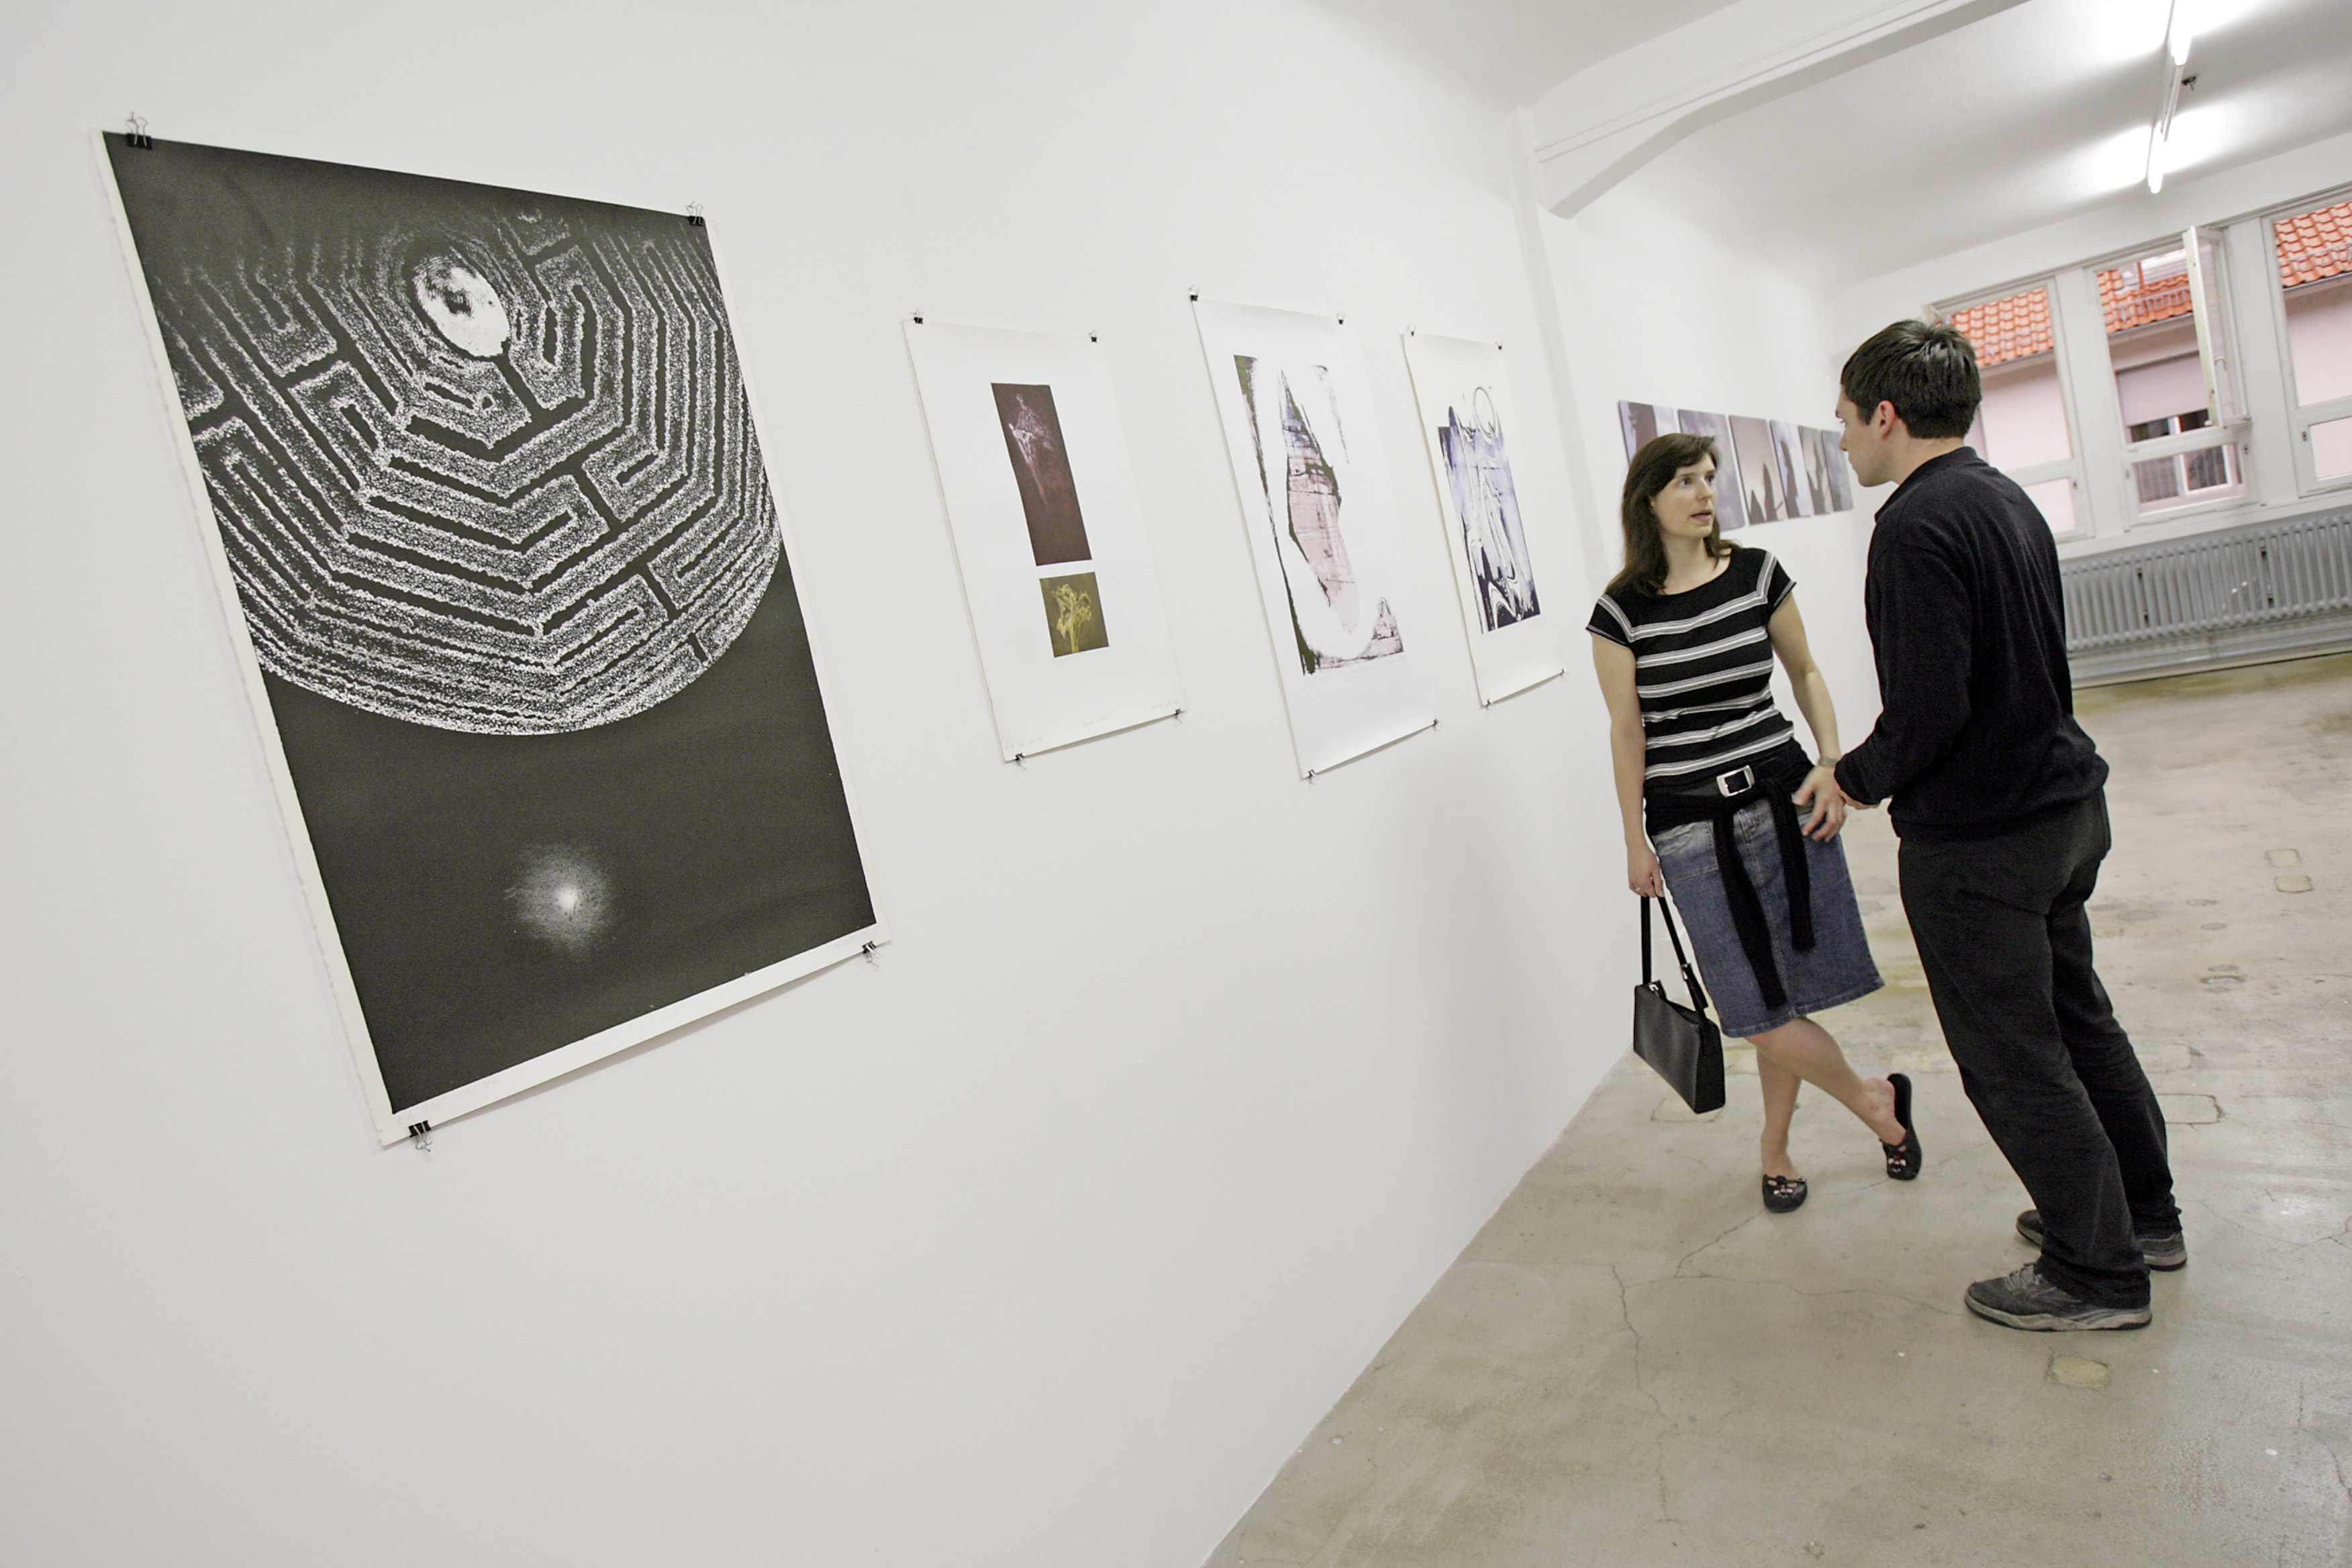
(1820, 792)
(1613, 662)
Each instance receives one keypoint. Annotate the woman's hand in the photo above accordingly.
(1826, 802)
(1641, 872)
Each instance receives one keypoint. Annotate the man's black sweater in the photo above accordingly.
(1976, 732)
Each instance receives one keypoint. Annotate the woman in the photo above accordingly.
(1684, 641)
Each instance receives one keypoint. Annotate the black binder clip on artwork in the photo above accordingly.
(137, 135)
(694, 215)
(867, 952)
(420, 1133)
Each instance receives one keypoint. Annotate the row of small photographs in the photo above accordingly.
(1767, 470)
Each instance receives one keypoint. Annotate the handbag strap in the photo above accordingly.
(1690, 975)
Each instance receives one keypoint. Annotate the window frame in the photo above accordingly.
(2236, 283)
(2226, 424)
(2070, 468)
(2300, 416)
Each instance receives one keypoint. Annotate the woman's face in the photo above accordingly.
(1685, 508)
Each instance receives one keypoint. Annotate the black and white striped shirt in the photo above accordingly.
(1703, 669)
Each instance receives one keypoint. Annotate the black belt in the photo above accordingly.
(1729, 793)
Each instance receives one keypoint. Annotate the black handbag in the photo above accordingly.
(1682, 1043)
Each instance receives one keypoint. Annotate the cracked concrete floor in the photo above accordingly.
(1633, 1364)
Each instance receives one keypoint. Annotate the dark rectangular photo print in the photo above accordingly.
(1041, 467)
(483, 471)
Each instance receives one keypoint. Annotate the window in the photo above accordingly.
(2314, 248)
(2200, 379)
(2022, 427)
(2159, 349)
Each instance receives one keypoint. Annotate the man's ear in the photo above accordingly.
(1886, 423)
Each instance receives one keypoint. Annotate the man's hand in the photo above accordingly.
(1826, 802)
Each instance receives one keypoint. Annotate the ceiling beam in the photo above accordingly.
(1610, 118)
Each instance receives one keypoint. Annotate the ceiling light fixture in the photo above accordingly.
(2178, 35)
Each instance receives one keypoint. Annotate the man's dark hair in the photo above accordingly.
(1926, 369)
(1652, 469)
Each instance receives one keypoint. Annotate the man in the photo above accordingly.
(1996, 795)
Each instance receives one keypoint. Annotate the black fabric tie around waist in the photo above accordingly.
(1747, 916)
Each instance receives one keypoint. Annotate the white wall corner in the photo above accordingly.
(1615, 115)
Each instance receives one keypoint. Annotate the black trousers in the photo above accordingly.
(2006, 942)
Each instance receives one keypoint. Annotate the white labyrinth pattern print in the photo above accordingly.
(1467, 419)
(1314, 487)
(482, 476)
(1048, 532)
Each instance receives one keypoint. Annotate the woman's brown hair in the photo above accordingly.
(1654, 468)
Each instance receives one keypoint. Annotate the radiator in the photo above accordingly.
(2237, 595)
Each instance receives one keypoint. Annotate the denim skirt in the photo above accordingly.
(1837, 970)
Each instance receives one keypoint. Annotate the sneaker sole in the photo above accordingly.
(2162, 1262)
(2049, 1324)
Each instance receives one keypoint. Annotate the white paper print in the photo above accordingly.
(1048, 532)
(1468, 419)
(1315, 494)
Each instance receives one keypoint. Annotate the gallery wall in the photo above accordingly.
(1655, 309)
(1043, 1236)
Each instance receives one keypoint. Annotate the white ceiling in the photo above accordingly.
(1512, 51)
(2027, 117)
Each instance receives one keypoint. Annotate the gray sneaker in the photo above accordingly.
(2023, 1300)
(2164, 1249)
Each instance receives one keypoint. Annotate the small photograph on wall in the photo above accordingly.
(1041, 467)
(1048, 530)
(1815, 444)
(1731, 499)
(1467, 419)
(1762, 493)
(1302, 439)
(489, 509)
(1641, 422)
(1074, 617)
(1834, 466)
(1788, 463)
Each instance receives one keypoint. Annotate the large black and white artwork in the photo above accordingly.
(482, 471)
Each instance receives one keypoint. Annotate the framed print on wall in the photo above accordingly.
(488, 507)
(1048, 532)
(1303, 445)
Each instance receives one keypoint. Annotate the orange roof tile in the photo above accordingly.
(2003, 329)
(2140, 293)
(2315, 244)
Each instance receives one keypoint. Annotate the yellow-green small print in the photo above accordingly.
(1074, 617)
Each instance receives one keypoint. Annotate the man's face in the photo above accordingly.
(1865, 440)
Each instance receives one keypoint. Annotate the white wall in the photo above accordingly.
(1655, 309)
(1042, 1239)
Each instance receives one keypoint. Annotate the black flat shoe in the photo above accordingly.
(1782, 1194)
(1903, 1159)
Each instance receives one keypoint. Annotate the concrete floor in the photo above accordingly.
(1634, 1364)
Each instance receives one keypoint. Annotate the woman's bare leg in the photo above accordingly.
(1780, 1105)
(1805, 1050)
